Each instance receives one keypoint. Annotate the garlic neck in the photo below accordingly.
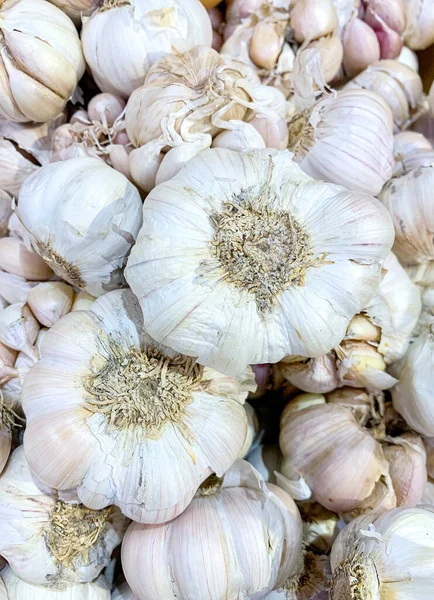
(355, 579)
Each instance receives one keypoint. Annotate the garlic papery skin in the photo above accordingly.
(252, 430)
(397, 84)
(7, 360)
(5, 212)
(246, 537)
(407, 468)
(82, 301)
(419, 33)
(322, 444)
(77, 9)
(187, 256)
(16, 259)
(42, 60)
(429, 448)
(15, 289)
(320, 527)
(409, 201)
(266, 460)
(332, 53)
(242, 139)
(361, 47)
(312, 19)
(14, 167)
(46, 541)
(147, 450)
(105, 109)
(372, 556)
(18, 328)
(408, 147)
(346, 139)
(122, 41)
(70, 206)
(15, 589)
(50, 301)
(317, 375)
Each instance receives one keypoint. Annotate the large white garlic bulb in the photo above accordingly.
(130, 423)
(346, 139)
(47, 541)
(122, 40)
(82, 217)
(237, 539)
(386, 556)
(252, 260)
(14, 588)
(41, 60)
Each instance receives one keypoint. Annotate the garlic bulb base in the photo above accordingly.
(356, 579)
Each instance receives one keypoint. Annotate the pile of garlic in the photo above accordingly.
(216, 300)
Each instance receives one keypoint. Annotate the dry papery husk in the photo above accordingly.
(187, 100)
(411, 150)
(121, 41)
(399, 85)
(6, 211)
(385, 556)
(47, 541)
(248, 535)
(346, 139)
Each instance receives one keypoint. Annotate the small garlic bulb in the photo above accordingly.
(322, 444)
(105, 109)
(312, 19)
(232, 309)
(146, 446)
(386, 556)
(17, 260)
(346, 139)
(121, 41)
(71, 206)
(409, 199)
(246, 537)
(42, 60)
(16, 589)
(419, 33)
(46, 541)
(50, 301)
(411, 150)
(407, 468)
(397, 84)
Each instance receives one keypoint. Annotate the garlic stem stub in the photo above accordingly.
(245, 535)
(46, 541)
(150, 424)
(232, 303)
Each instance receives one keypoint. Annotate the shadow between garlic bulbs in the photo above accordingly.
(131, 423)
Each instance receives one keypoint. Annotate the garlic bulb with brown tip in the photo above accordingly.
(42, 60)
(231, 308)
(346, 139)
(46, 541)
(399, 86)
(121, 41)
(155, 422)
(247, 537)
(82, 218)
(385, 556)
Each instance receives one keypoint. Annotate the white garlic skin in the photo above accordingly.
(18, 328)
(407, 469)
(14, 168)
(70, 206)
(386, 556)
(50, 301)
(82, 301)
(352, 141)
(42, 60)
(246, 537)
(15, 588)
(16, 259)
(121, 43)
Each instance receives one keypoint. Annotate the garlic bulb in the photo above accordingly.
(373, 556)
(322, 444)
(231, 309)
(407, 468)
(122, 41)
(409, 201)
(419, 33)
(246, 538)
(72, 206)
(5, 212)
(312, 19)
(346, 139)
(361, 47)
(17, 260)
(50, 301)
(397, 84)
(16, 589)
(46, 541)
(147, 450)
(18, 328)
(42, 60)
(14, 167)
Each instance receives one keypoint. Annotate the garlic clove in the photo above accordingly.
(119, 159)
(14, 288)
(7, 360)
(407, 468)
(243, 138)
(16, 259)
(360, 47)
(177, 157)
(311, 19)
(318, 375)
(265, 46)
(82, 301)
(332, 53)
(143, 165)
(274, 131)
(419, 33)
(361, 328)
(50, 301)
(300, 402)
(409, 58)
(361, 365)
(18, 328)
